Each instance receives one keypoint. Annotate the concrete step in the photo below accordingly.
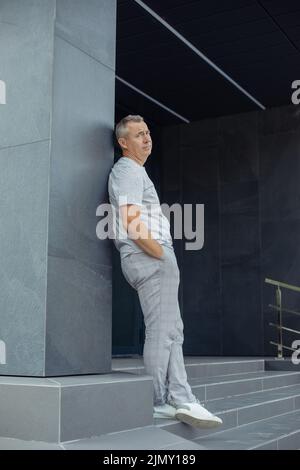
(240, 410)
(212, 388)
(276, 433)
(75, 407)
(281, 364)
(7, 443)
(198, 366)
(115, 411)
(280, 432)
(146, 438)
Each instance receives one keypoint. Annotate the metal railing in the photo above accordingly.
(279, 308)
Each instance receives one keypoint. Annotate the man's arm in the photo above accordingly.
(138, 231)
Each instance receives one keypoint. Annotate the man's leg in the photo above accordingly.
(156, 282)
(179, 390)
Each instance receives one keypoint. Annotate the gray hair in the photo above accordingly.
(121, 127)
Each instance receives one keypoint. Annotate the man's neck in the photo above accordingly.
(136, 159)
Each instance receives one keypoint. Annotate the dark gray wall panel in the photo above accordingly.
(240, 257)
(280, 168)
(242, 327)
(202, 300)
(238, 148)
(246, 170)
(240, 222)
(201, 268)
(280, 208)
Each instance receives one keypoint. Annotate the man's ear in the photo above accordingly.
(122, 143)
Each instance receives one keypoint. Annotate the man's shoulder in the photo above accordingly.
(116, 168)
(123, 167)
(121, 163)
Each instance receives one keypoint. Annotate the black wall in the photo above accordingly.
(245, 169)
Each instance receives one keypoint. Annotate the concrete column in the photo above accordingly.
(58, 71)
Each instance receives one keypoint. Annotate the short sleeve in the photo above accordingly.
(127, 186)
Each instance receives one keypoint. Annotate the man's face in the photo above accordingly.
(137, 142)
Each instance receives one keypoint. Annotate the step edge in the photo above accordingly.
(249, 424)
(267, 402)
(245, 379)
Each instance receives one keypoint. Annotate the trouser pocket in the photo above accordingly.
(139, 268)
(128, 270)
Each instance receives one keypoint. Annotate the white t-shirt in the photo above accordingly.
(129, 183)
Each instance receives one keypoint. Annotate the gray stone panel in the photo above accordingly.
(29, 412)
(81, 155)
(290, 442)
(269, 446)
(224, 389)
(94, 409)
(55, 271)
(297, 402)
(283, 379)
(90, 25)
(265, 410)
(79, 266)
(78, 318)
(26, 51)
(23, 240)
(68, 408)
(257, 434)
(211, 369)
(149, 437)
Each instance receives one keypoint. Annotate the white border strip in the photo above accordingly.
(152, 99)
(199, 53)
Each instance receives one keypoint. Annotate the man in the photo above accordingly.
(149, 265)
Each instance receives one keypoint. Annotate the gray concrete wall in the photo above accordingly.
(58, 63)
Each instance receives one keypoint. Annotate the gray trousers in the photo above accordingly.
(157, 282)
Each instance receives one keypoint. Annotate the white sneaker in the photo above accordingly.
(196, 415)
(164, 411)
